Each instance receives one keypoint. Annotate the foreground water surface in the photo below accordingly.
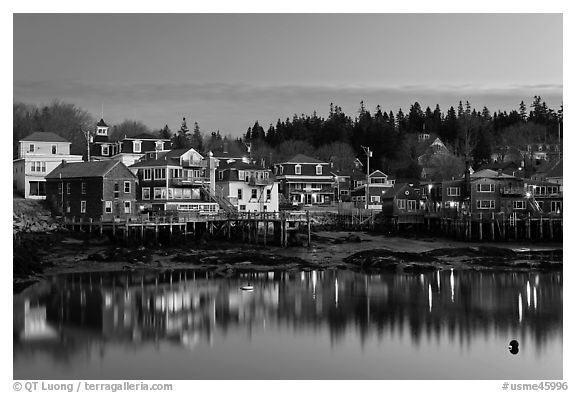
(302, 325)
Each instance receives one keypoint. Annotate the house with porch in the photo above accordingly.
(176, 180)
(39, 154)
(379, 183)
(248, 187)
(305, 180)
(98, 190)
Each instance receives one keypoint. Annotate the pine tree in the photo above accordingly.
(196, 141)
(181, 140)
(523, 110)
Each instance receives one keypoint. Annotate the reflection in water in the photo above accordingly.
(78, 315)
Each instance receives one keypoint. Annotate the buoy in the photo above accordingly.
(513, 347)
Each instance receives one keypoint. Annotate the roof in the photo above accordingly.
(147, 136)
(240, 165)
(555, 170)
(163, 158)
(489, 173)
(101, 123)
(378, 173)
(303, 159)
(43, 137)
(398, 188)
(82, 169)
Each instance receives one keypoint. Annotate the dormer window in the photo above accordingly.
(137, 146)
(318, 169)
(31, 148)
(298, 169)
(159, 145)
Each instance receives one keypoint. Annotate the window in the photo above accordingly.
(519, 204)
(127, 187)
(556, 206)
(60, 188)
(159, 193)
(105, 150)
(137, 146)
(281, 170)
(453, 191)
(82, 206)
(67, 206)
(221, 175)
(108, 207)
(146, 174)
(254, 194)
(485, 204)
(38, 188)
(318, 169)
(146, 193)
(127, 207)
(401, 203)
(116, 190)
(84, 188)
(297, 186)
(298, 169)
(159, 173)
(242, 208)
(268, 194)
(485, 187)
(54, 149)
(411, 205)
(375, 198)
(68, 188)
(31, 148)
(159, 145)
(239, 194)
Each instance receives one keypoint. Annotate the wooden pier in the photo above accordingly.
(250, 227)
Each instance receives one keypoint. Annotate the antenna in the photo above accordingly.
(102, 110)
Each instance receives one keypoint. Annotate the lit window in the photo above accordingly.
(519, 205)
(127, 207)
(137, 145)
(298, 169)
(318, 169)
(108, 207)
(82, 206)
(485, 204)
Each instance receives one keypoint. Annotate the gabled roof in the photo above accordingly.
(101, 123)
(489, 173)
(163, 158)
(378, 173)
(398, 188)
(240, 165)
(43, 137)
(82, 169)
(555, 170)
(303, 159)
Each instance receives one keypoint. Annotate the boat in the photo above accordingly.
(248, 287)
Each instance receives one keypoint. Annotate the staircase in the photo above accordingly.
(533, 205)
(222, 202)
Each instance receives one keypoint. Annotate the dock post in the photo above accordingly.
(529, 228)
(113, 227)
(541, 229)
(127, 229)
(515, 228)
(101, 226)
(492, 229)
(156, 232)
(265, 228)
(228, 228)
(142, 232)
(308, 224)
(480, 228)
(171, 229)
(90, 225)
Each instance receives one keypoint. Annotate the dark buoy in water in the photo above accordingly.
(513, 347)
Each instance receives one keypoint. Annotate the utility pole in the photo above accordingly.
(88, 135)
(368, 153)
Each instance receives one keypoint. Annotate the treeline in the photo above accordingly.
(471, 135)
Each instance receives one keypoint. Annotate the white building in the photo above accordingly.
(248, 187)
(38, 154)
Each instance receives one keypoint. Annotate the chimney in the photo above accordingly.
(63, 163)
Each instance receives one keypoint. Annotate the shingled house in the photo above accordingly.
(101, 190)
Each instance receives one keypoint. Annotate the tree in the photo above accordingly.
(523, 110)
(128, 128)
(165, 133)
(483, 149)
(196, 140)
(181, 140)
(446, 167)
(340, 154)
(290, 148)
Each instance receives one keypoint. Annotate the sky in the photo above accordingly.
(225, 71)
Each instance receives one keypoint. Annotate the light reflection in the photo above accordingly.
(452, 284)
(528, 293)
(429, 297)
(535, 299)
(520, 307)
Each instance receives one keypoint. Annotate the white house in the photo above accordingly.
(38, 154)
(250, 188)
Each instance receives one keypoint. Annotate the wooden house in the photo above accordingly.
(101, 190)
(403, 204)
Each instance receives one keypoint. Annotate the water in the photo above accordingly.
(304, 325)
